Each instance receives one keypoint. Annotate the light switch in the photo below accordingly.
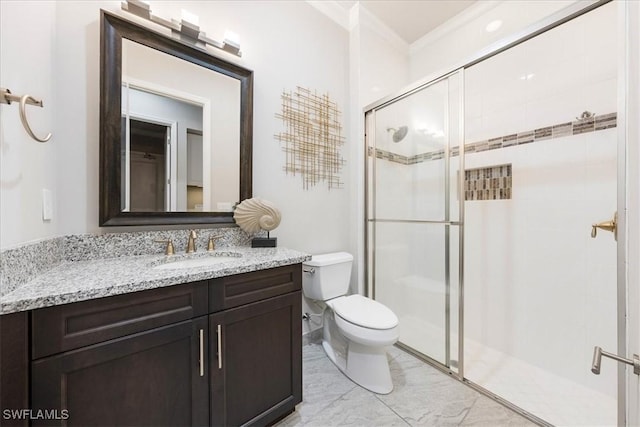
(47, 205)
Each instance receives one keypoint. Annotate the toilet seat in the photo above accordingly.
(363, 312)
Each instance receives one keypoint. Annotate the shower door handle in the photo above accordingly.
(598, 352)
(611, 225)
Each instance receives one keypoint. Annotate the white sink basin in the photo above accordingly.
(196, 262)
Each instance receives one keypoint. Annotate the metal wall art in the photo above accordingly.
(312, 137)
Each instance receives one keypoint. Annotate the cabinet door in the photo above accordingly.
(150, 378)
(256, 361)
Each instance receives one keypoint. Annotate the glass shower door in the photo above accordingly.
(413, 215)
(540, 292)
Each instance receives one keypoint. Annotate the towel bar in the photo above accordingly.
(6, 97)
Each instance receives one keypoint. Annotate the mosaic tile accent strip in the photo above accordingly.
(392, 157)
(488, 183)
(606, 121)
(404, 160)
(577, 127)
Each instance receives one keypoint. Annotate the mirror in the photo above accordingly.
(175, 130)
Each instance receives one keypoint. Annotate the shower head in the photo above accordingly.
(398, 134)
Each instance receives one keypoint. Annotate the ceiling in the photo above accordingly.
(412, 19)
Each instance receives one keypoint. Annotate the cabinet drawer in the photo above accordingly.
(232, 291)
(71, 326)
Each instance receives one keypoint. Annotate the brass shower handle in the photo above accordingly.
(611, 225)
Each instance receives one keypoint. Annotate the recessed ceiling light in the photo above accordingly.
(493, 26)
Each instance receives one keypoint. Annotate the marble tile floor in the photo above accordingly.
(422, 396)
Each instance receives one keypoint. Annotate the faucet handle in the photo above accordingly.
(170, 250)
(212, 242)
(191, 243)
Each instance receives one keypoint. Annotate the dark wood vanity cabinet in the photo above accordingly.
(172, 356)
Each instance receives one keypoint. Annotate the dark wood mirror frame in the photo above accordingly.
(113, 29)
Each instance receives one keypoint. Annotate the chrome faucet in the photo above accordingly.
(191, 243)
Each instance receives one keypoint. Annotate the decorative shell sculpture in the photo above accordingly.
(253, 215)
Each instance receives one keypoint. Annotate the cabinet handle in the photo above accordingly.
(202, 352)
(219, 346)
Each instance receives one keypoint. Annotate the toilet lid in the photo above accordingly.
(364, 312)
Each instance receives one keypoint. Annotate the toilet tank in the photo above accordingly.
(327, 276)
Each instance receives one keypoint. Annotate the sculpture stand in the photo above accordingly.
(264, 242)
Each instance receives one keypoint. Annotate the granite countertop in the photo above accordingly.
(74, 281)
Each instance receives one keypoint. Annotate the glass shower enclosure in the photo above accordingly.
(485, 249)
(414, 215)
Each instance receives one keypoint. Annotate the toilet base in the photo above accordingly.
(369, 367)
(366, 366)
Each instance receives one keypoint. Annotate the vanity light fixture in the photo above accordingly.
(186, 29)
(232, 42)
(190, 18)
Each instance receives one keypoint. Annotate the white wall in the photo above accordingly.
(384, 58)
(379, 64)
(26, 166)
(285, 43)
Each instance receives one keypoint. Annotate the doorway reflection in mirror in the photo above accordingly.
(187, 119)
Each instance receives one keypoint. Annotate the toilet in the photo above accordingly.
(356, 329)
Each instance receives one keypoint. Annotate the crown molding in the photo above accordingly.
(451, 25)
(333, 10)
(374, 23)
(359, 15)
